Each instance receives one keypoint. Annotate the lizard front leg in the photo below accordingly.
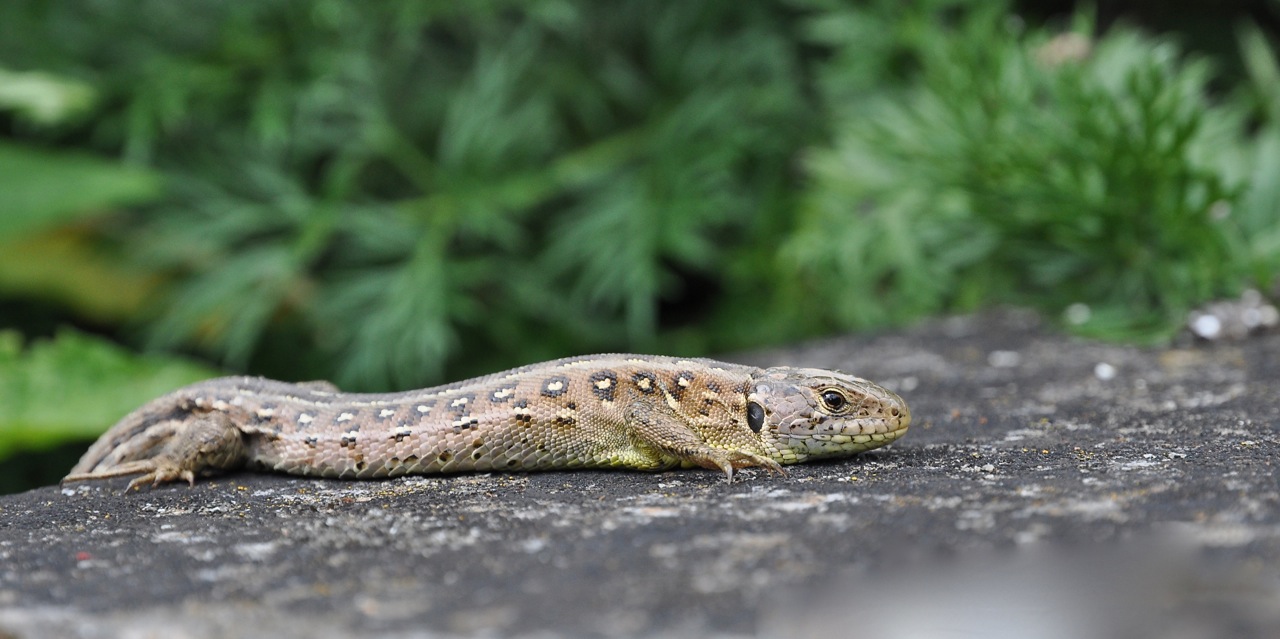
(181, 450)
(661, 428)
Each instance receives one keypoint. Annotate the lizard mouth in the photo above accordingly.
(836, 438)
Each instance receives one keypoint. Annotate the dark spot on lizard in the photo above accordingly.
(458, 427)
(503, 394)
(714, 386)
(565, 420)
(680, 382)
(555, 386)
(707, 403)
(265, 413)
(311, 441)
(522, 411)
(351, 423)
(361, 465)
(303, 422)
(461, 405)
(646, 382)
(755, 416)
(604, 384)
(411, 459)
(347, 441)
(477, 455)
(445, 456)
(511, 463)
(740, 388)
(478, 442)
(400, 435)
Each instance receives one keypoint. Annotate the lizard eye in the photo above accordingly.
(833, 400)
(755, 416)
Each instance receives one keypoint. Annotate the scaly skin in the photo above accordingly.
(602, 411)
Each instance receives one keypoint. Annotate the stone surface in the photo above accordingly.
(1050, 487)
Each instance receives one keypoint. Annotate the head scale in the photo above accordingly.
(808, 413)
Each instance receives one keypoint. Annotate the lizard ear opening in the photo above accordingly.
(755, 416)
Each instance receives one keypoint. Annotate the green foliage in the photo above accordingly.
(1019, 165)
(75, 386)
(1258, 163)
(43, 98)
(385, 194)
(43, 189)
(406, 182)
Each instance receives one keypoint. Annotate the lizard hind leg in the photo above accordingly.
(172, 451)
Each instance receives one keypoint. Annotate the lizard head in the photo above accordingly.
(809, 413)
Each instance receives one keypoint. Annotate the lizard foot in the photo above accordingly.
(731, 460)
(170, 452)
(155, 472)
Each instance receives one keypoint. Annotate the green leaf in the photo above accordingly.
(44, 98)
(75, 386)
(43, 189)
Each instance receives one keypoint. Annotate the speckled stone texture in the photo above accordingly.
(1049, 487)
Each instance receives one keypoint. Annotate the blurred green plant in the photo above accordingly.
(74, 386)
(44, 190)
(386, 194)
(1027, 166)
(392, 184)
(45, 193)
(44, 98)
(1257, 164)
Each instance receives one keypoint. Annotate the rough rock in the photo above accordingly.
(1050, 487)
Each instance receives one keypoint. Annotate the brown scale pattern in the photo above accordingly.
(631, 411)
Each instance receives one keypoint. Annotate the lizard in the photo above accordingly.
(642, 412)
